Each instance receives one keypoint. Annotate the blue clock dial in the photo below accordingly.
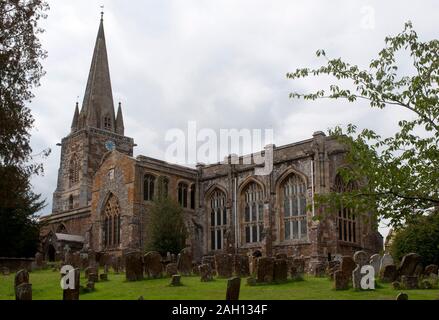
(110, 145)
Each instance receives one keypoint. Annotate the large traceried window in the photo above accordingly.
(148, 187)
(253, 222)
(218, 219)
(182, 194)
(346, 218)
(74, 170)
(112, 223)
(294, 220)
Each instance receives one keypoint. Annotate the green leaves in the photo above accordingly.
(398, 175)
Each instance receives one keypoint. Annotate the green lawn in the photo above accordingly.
(46, 286)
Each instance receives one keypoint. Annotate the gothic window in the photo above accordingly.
(193, 197)
(112, 223)
(148, 187)
(294, 220)
(74, 170)
(107, 123)
(346, 218)
(182, 194)
(218, 219)
(253, 222)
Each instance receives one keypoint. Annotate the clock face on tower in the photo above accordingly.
(110, 145)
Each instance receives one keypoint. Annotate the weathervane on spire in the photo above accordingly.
(102, 12)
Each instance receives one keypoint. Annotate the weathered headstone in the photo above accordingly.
(241, 265)
(409, 264)
(409, 282)
(93, 277)
(103, 277)
(90, 286)
(347, 266)
(195, 269)
(133, 266)
(265, 269)
(90, 270)
(205, 272)
(375, 262)
(171, 269)
(319, 269)
(211, 261)
(386, 260)
(333, 266)
(389, 273)
(153, 265)
(431, 269)
(426, 284)
(23, 292)
(73, 294)
(176, 280)
(402, 296)
(39, 260)
(233, 288)
(21, 277)
(280, 270)
(341, 280)
(224, 265)
(184, 262)
(356, 278)
(360, 258)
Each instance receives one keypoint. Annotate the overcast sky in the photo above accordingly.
(221, 63)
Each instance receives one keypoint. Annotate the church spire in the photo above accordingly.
(98, 108)
(75, 119)
(120, 129)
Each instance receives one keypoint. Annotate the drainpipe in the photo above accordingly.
(312, 188)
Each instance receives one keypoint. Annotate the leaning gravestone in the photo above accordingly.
(408, 265)
(341, 280)
(153, 264)
(386, 260)
(21, 277)
(280, 273)
(73, 294)
(375, 262)
(224, 265)
(233, 288)
(171, 269)
(23, 292)
(360, 258)
(184, 262)
(205, 272)
(265, 269)
(133, 266)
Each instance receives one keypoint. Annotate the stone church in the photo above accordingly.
(103, 194)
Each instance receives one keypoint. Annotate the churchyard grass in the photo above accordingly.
(46, 286)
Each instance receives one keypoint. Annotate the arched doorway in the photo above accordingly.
(51, 253)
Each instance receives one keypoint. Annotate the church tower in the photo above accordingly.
(95, 130)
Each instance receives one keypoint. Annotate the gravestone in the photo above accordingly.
(73, 294)
(431, 269)
(233, 287)
(360, 258)
(153, 265)
(211, 261)
(426, 284)
(103, 277)
(184, 262)
(386, 260)
(408, 265)
(176, 280)
(195, 269)
(205, 272)
(375, 262)
(224, 265)
(396, 285)
(402, 296)
(409, 282)
(90, 286)
(341, 280)
(23, 292)
(93, 277)
(265, 269)
(347, 266)
(171, 269)
(333, 266)
(21, 277)
(90, 270)
(389, 273)
(319, 270)
(106, 268)
(76, 260)
(241, 265)
(39, 260)
(133, 266)
(280, 270)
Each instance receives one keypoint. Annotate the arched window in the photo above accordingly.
(70, 202)
(182, 194)
(74, 170)
(193, 197)
(218, 219)
(148, 187)
(112, 223)
(107, 122)
(253, 207)
(294, 220)
(347, 223)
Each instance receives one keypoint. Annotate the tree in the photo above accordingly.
(420, 236)
(399, 173)
(166, 229)
(20, 71)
